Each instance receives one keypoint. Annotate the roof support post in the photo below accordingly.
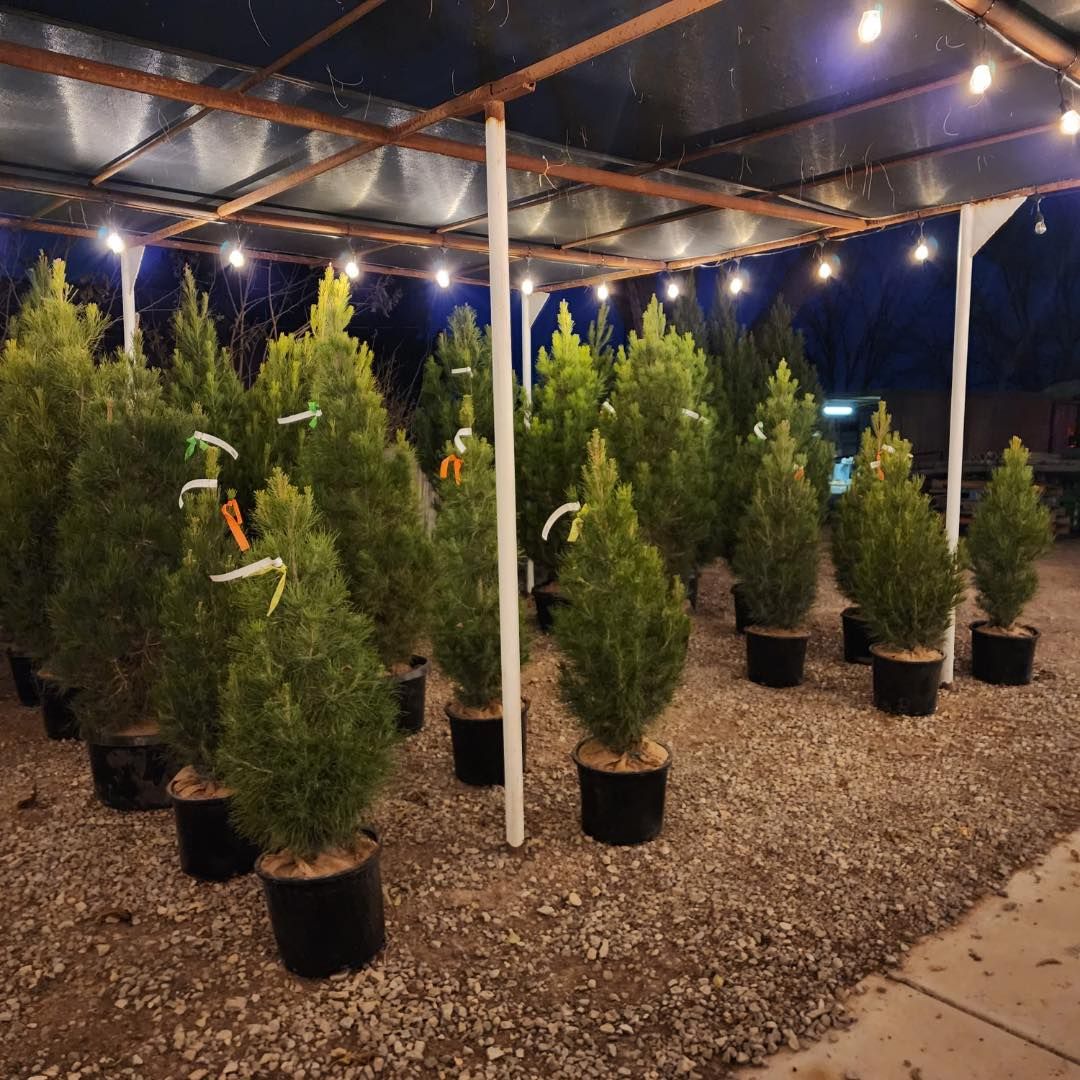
(531, 306)
(130, 261)
(505, 498)
(977, 224)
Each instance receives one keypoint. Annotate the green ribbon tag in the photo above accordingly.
(192, 442)
(313, 407)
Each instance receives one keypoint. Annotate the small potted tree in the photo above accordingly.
(197, 621)
(908, 583)
(1010, 532)
(883, 457)
(307, 740)
(466, 624)
(776, 560)
(364, 485)
(624, 635)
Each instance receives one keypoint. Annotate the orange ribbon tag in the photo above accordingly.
(444, 468)
(799, 473)
(231, 513)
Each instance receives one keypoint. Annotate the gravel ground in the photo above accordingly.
(809, 840)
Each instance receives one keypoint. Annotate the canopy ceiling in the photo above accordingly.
(822, 134)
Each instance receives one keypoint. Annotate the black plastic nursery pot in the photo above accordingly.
(210, 847)
(547, 600)
(478, 746)
(57, 713)
(692, 583)
(131, 772)
(742, 610)
(905, 687)
(327, 924)
(27, 688)
(775, 658)
(411, 690)
(622, 807)
(1002, 659)
(857, 640)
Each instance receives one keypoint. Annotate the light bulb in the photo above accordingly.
(870, 25)
(114, 242)
(1070, 121)
(237, 258)
(527, 286)
(922, 251)
(1040, 224)
(981, 78)
(442, 278)
(352, 269)
(736, 283)
(602, 292)
(824, 270)
(672, 291)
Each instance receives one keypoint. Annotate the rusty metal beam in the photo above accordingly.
(637, 226)
(67, 66)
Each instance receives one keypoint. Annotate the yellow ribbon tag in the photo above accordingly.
(282, 572)
(575, 525)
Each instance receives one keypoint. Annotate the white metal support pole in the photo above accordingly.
(531, 306)
(503, 394)
(977, 225)
(130, 261)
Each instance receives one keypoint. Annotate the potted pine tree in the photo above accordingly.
(45, 380)
(307, 739)
(908, 582)
(1010, 532)
(197, 622)
(552, 450)
(466, 623)
(365, 488)
(776, 560)
(623, 635)
(118, 542)
(883, 457)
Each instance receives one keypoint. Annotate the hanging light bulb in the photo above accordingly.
(982, 75)
(114, 242)
(1070, 120)
(352, 269)
(736, 283)
(824, 266)
(602, 291)
(237, 257)
(527, 286)
(870, 25)
(1040, 221)
(922, 248)
(442, 277)
(672, 290)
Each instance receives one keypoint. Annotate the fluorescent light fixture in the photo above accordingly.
(837, 410)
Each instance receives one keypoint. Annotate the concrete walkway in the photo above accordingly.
(996, 998)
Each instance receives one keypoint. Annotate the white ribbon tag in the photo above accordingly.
(461, 434)
(608, 407)
(693, 415)
(461, 371)
(295, 418)
(759, 430)
(566, 508)
(202, 436)
(889, 449)
(252, 569)
(193, 485)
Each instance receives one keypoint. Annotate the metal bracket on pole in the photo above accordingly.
(130, 261)
(531, 306)
(978, 222)
(503, 395)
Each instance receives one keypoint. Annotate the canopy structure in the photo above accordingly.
(568, 143)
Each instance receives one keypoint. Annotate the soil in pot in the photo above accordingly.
(857, 640)
(27, 688)
(906, 682)
(547, 598)
(327, 915)
(1003, 657)
(56, 709)
(131, 769)
(622, 795)
(210, 847)
(410, 686)
(775, 658)
(742, 610)
(477, 737)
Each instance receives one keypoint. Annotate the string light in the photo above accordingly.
(982, 75)
(673, 290)
(442, 277)
(237, 257)
(922, 248)
(1040, 221)
(870, 25)
(1070, 120)
(602, 291)
(114, 242)
(736, 283)
(824, 264)
(352, 269)
(527, 286)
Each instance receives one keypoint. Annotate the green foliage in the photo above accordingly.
(600, 347)
(45, 379)
(883, 457)
(736, 365)
(119, 538)
(907, 580)
(665, 454)
(776, 555)
(624, 630)
(198, 617)
(466, 631)
(551, 450)
(1010, 532)
(687, 315)
(307, 714)
(778, 340)
(365, 485)
(462, 345)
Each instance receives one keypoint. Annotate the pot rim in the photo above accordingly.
(115, 739)
(624, 775)
(770, 632)
(338, 875)
(979, 624)
(853, 611)
(420, 667)
(875, 651)
(450, 715)
(205, 799)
